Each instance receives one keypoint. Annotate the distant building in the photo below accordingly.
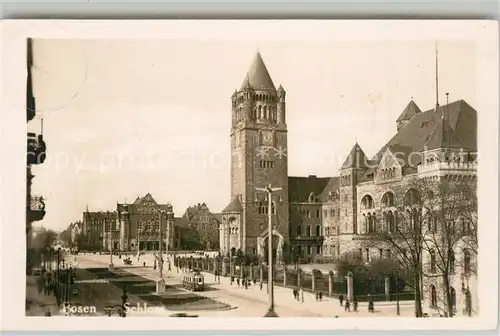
(204, 225)
(130, 227)
(76, 229)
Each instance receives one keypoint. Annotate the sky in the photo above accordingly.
(122, 118)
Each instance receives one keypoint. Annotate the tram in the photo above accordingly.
(193, 281)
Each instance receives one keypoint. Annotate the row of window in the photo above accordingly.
(450, 260)
(345, 180)
(414, 217)
(266, 164)
(388, 173)
(307, 213)
(331, 231)
(331, 250)
(330, 213)
(259, 113)
(411, 197)
(256, 96)
(309, 231)
(264, 208)
(365, 255)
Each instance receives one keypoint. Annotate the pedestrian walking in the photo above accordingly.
(302, 295)
(320, 294)
(341, 299)
(347, 306)
(355, 305)
(295, 294)
(232, 280)
(371, 307)
(317, 296)
(169, 267)
(260, 285)
(238, 281)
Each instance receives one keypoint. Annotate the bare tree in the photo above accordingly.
(450, 212)
(402, 234)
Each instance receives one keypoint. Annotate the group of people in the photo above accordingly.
(243, 282)
(347, 304)
(298, 294)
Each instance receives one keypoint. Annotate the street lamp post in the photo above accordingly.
(398, 312)
(111, 266)
(160, 283)
(269, 189)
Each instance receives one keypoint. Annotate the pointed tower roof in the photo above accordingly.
(258, 76)
(356, 158)
(410, 111)
(443, 136)
(234, 206)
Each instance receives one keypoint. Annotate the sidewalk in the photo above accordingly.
(38, 304)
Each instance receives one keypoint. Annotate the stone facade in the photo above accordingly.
(258, 159)
(132, 227)
(326, 216)
(205, 225)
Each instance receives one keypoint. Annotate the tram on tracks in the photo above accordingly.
(193, 281)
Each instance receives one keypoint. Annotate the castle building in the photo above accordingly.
(131, 227)
(328, 216)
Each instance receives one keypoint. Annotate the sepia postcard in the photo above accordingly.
(173, 173)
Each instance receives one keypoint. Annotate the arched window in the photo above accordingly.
(390, 222)
(318, 230)
(388, 199)
(453, 296)
(365, 223)
(433, 260)
(260, 112)
(263, 207)
(311, 197)
(265, 112)
(412, 197)
(299, 230)
(371, 223)
(451, 256)
(261, 138)
(466, 261)
(309, 231)
(273, 209)
(433, 296)
(367, 202)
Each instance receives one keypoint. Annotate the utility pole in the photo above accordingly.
(110, 238)
(269, 189)
(160, 283)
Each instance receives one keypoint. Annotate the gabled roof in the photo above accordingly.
(410, 111)
(299, 188)
(257, 76)
(412, 138)
(443, 137)
(332, 186)
(355, 159)
(233, 206)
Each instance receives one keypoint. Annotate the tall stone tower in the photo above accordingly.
(259, 158)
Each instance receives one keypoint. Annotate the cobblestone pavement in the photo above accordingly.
(251, 302)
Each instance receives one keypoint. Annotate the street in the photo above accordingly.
(100, 288)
